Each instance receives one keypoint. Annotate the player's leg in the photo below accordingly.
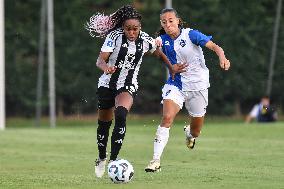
(193, 130)
(105, 116)
(170, 109)
(196, 105)
(196, 124)
(104, 122)
(172, 103)
(123, 103)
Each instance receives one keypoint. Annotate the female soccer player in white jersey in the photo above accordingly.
(120, 60)
(191, 87)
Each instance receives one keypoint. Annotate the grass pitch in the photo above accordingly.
(227, 155)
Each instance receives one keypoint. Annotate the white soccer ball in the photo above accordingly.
(120, 171)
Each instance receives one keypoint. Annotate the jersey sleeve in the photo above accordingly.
(151, 43)
(254, 112)
(108, 45)
(198, 38)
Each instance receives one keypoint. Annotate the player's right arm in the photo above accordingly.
(102, 65)
(253, 114)
(106, 50)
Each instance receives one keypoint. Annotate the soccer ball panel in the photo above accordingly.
(120, 171)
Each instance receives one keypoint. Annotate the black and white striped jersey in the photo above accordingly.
(126, 56)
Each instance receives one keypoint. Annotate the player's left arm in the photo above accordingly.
(224, 62)
(176, 68)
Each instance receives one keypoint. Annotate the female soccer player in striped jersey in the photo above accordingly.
(120, 59)
(182, 44)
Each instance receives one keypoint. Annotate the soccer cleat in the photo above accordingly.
(100, 167)
(154, 166)
(189, 139)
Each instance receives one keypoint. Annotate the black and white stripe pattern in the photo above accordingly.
(126, 56)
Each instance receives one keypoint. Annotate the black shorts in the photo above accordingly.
(106, 96)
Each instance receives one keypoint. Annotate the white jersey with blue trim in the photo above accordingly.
(186, 48)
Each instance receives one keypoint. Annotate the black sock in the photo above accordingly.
(102, 137)
(119, 131)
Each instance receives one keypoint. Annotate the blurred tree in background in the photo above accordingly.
(243, 28)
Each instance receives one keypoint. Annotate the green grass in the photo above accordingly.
(228, 155)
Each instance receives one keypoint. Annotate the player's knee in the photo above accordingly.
(120, 113)
(104, 123)
(167, 120)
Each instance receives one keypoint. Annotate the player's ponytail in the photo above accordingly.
(100, 25)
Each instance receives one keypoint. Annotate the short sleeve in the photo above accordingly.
(152, 46)
(151, 43)
(198, 38)
(108, 45)
(254, 112)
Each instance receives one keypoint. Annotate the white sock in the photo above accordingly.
(188, 133)
(161, 139)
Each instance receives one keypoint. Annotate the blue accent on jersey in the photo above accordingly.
(168, 48)
(109, 43)
(177, 82)
(187, 48)
(198, 38)
(169, 51)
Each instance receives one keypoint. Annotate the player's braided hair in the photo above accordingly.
(100, 25)
(181, 25)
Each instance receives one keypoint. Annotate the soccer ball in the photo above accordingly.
(120, 171)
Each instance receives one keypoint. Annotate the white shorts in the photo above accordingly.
(195, 102)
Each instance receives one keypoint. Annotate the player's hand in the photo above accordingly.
(110, 70)
(159, 43)
(178, 68)
(225, 63)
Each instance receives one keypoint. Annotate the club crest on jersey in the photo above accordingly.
(182, 42)
(128, 62)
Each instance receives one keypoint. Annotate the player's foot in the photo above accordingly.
(109, 161)
(189, 139)
(100, 165)
(154, 166)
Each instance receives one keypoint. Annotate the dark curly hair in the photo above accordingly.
(100, 25)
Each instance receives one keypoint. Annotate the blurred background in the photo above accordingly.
(244, 29)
